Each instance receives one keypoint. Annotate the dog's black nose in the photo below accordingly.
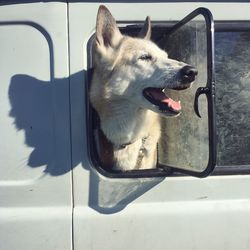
(188, 74)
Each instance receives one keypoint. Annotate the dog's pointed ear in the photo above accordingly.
(107, 32)
(146, 29)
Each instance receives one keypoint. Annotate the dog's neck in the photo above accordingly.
(125, 126)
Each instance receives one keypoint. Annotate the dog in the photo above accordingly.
(128, 91)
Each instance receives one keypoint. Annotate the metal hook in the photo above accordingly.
(200, 91)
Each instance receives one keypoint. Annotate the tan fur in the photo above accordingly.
(116, 91)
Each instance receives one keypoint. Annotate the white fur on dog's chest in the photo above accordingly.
(133, 155)
(129, 126)
(140, 129)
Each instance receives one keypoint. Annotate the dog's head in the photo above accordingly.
(135, 69)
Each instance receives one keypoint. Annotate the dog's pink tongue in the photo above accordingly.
(160, 96)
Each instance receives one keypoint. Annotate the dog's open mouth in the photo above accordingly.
(158, 97)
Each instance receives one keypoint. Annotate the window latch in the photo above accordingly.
(200, 91)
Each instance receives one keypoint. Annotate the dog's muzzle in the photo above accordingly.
(158, 97)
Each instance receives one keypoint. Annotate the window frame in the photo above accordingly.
(219, 170)
(208, 90)
(219, 26)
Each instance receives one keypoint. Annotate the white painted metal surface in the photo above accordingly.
(35, 148)
(175, 213)
(35, 163)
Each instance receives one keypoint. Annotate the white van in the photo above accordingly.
(54, 192)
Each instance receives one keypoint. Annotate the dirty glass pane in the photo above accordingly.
(232, 64)
(184, 141)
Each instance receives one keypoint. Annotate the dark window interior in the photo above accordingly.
(232, 58)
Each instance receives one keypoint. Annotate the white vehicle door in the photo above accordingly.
(35, 161)
(142, 212)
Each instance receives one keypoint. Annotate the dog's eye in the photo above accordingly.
(145, 57)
